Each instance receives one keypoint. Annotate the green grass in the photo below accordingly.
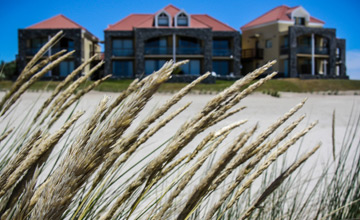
(280, 85)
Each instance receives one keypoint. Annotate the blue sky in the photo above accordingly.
(96, 15)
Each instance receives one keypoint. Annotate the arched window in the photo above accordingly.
(163, 19)
(182, 20)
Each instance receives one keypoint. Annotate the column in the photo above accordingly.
(312, 55)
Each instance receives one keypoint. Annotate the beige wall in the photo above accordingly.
(274, 32)
(88, 45)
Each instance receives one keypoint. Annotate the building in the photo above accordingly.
(76, 37)
(300, 43)
(141, 43)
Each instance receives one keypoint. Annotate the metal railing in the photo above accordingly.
(221, 52)
(189, 50)
(252, 53)
(53, 50)
(158, 50)
(307, 50)
(123, 52)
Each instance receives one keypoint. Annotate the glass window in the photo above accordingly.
(163, 19)
(221, 67)
(221, 48)
(157, 46)
(191, 68)
(268, 43)
(66, 67)
(188, 45)
(122, 47)
(123, 69)
(299, 20)
(182, 20)
(153, 65)
(286, 68)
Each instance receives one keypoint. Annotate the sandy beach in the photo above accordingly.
(260, 108)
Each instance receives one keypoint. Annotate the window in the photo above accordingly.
(66, 67)
(163, 19)
(221, 67)
(153, 65)
(122, 47)
(191, 68)
(188, 45)
(182, 20)
(157, 46)
(299, 20)
(221, 48)
(286, 68)
(268, 44)
(123, 69)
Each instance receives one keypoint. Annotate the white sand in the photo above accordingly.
(262, 109)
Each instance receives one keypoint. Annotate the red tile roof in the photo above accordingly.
(58, 22)
(147, 21)
(280, 13)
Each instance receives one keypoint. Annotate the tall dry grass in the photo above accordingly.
(87, 170)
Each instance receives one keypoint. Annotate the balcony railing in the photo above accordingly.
(189, 50)
(33, 51)
(221, 52)
(321, 50)
(123, 52)
(252, 53)
(307, 50)
(158, 50)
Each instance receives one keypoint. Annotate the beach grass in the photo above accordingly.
(87, 169)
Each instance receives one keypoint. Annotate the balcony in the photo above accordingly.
(33, 51)
(307, 50)
(252, 54)
(123, 52)
(189, 50)
(158, 50)
(221, 52)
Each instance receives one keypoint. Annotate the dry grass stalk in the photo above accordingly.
(71, 89)
(57, 103)
(33, 79)
(80, 143)
(131, 88)
(2, 137)
(46, 61)
(184, 135)
(202, 188)
(78, 95)
(128, 141)
(136, 145)
(36, 153)
(333, 134)
(21, 211)
(278, 181)
(228, 114)
(264, 149)
(246, 152)
(228, 92)
(26, 73)
(17, 160)
(41, 52)
(190, 173)
(82, 162)
(62, 84)
(267, 163)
